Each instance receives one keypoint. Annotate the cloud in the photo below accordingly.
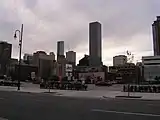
(126, 24)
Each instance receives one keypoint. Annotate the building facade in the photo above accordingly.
(61, 66)
(71, 57)
(60, 48)
(156, 36)
(84, 61)
(28, 58)
(119, 60)
(95, 47)
(5, 56)
(45, 63)
(151, 66)
(128, 73)
(11, 68)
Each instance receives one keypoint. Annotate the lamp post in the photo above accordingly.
(20, 51)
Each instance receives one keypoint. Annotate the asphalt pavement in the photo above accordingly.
(43, 106)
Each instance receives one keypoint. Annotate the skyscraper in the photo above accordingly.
(71, 57)
(95, 47)
(156, 36)
(61, 60)
(60, 48)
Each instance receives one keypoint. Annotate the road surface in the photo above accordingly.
(30, 106)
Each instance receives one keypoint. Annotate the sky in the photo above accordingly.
(126, 25)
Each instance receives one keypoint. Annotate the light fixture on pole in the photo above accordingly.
(20, 51)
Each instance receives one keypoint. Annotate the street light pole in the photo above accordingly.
(20, 52)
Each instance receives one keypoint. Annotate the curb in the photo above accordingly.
(136, 97)
(140, 99)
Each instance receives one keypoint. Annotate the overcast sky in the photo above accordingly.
(126, 25)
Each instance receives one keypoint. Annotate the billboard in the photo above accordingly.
(69, 68)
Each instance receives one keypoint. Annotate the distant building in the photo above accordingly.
(60, 48)
(95, 45)
(51, 56)
(156, 36)
(61, 66)
(26, 71)
(11, 68)
(5, 56)
(151, 66)
(128, 73)
(13, 61)
(45, 63)
(85, 71)
(28, 58)
(71, 57)
(84, 61)
(119, 60)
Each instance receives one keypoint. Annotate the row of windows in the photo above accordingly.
(152, 59)
(151, 63)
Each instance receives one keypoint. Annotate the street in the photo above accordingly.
(43, 106)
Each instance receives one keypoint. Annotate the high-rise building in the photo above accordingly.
(5, 56)
(71, 57)
(95, 47)
(60, 48)
(119, 60)
(156, 36)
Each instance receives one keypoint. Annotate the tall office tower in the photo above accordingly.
(5, 56)
(156, 36)
(71, 57)
(95, 47)
(60, 48)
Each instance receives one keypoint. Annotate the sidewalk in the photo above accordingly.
(88, 94)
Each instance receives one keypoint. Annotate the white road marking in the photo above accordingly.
(3, 118)
(126, 113)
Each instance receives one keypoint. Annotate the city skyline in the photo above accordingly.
(122, 25)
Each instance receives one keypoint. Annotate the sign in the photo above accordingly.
(69, 68)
